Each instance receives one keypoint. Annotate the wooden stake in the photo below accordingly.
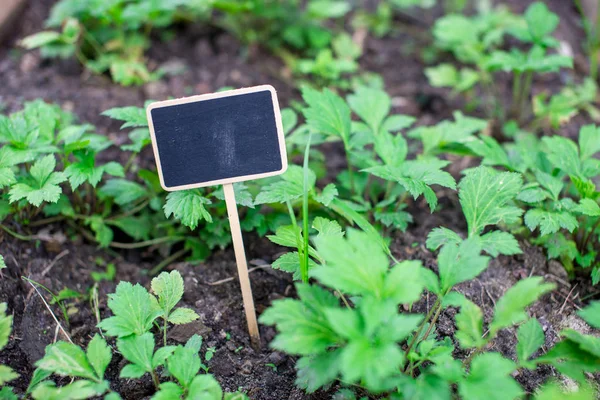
(240, 257)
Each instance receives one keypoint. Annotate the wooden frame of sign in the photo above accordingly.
(220, 139)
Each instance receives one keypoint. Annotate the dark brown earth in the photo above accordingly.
(214, 59)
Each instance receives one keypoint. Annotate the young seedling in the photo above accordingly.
(348, 342)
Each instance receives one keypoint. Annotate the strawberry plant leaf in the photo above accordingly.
(563, 154)
(168, 391)
(327, 227)
(67, 359)
(99, 355)
(184, 364)
(7, 374)
(134, 311)
(498, 242)
(469, 321)
(355, 264)
(550, 221)
(289, 187)
(416, 176)
(85, 170)
(44, 185)
(302, 325)
(488, 372)
(588, 207)
(439, 237)
(132, 116)
(510, 309)
(327, 113)
(460, 262)
(242, 196)
(405, 282)
(182, 316)
(371, 105)
(206, 387)
(138, 350)
(484, 195)
(530, 338)
(589, 141)
(187, 206)
(541, 22)
(168, 287)
(81, 389)
(123, 192)
(5, 324)
(591, 314)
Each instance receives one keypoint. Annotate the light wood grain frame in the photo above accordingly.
(211, 96)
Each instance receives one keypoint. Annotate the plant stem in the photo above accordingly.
(304, 265)
(587, 239)
(165, 330)
(436, 305)
(15, 234)
(516, 92)
(155, 379)
(296, 231)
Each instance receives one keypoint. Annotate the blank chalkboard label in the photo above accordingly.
(217, 138)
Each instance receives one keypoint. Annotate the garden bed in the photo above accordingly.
(211, 59)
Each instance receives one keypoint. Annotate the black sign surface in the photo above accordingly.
(217, 138)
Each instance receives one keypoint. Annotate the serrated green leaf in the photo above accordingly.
(138, 350)
(205, 387)
(123, 191)
(327, 227)
(589, 141)
(460, 262)
(7, 374)
(327, 113)
(132, 116)
(45, 184)
(371, 105)
(184, 364)
(438, 237)
(327, 195)
(588, 207)
(405, 282)
(168, 287)
(540, 21)
(99, 355)
(484, 195)
(469, 321)
(67, 359)
(490, 371)
(290, 187)
(510, 308)
(134, 311)
(530, 338)
(168, 391)
(183, 315)
(187, 206)
(549, 221)
(78, 390)
(5, 324)
(563, 154)
(302, 325)
(355, 265)
(498, 242)
(591, 314)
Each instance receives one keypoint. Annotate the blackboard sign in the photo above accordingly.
(218, 138)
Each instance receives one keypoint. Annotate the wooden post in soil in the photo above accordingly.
(242, 266)
(220, 139)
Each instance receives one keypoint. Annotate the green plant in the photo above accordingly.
(592, 43)
(360, 344)
(68, 359)
(475, 42)
(135, 310)
(6, 373)
(485, 197)
(111, 37)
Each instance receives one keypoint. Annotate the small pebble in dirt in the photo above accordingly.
(275, 358)
(246, 368)
(230, 346)
(556, 269)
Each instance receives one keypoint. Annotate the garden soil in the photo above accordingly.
(210, 59)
